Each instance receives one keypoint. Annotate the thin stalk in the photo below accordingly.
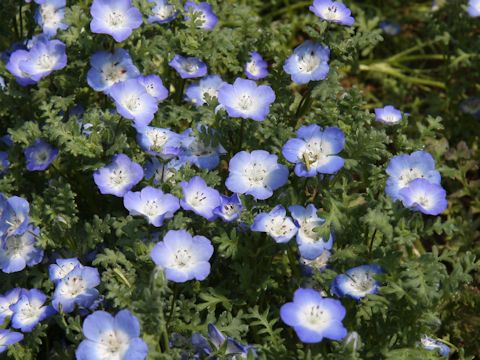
(21, 18)
(370, 246)
(172, 306)
(181, 86)
(292, 260)
(242, 130)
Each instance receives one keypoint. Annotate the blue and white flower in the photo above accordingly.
(204, 15)
(188, 67)
(151, 203)
(473, 8)
(20, 251)
(209, 85)
(431, 344)
(6, 300)
(332, 11)
(388, 115)
(230, 208)
(182, 256)
(246, 100)
(200, 153)
(315, 150)
(276, 224)
(390, 28)
(29, 310)
(40, 155)
(311, 244)
(313, 317)
(421, 195)
(116, 18)
(257, 173)
(320, 263)
(161, 172)
(62, 268)
(49, 15)
(13, 66)
(159, 141)
(163, 12)
(108, 337)
(8, 338)
(200, 198)
(357, 282)
(309, 62)
(14, 216)
(256, 68)
(118, 177)
(154, 86)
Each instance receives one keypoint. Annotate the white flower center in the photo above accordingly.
(408, 175)
(331, 13)
(118, 178)
(133, 103)
(164, 12)
(315, 317)
(45, 61)
(116, 19)
(252, 68)
(189, 66)
(279, 226)
(48, 13)
(113, 73)
(230, 209)
(15, 221)
(307, 227)
(41, 156)
(182, 258)
(158, 139)
(245, 102)
(390, 118)
(151, 208)
(255, 174)
(313, 153)
(114, 344)
(196, 199)
(63, 270)
(361, 282)
(212, 92)
(30, 312)
(15, 246)
(308, 62)
(72, 286)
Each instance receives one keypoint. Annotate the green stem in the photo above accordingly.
(305, 103)
(21, 18)
(292, 260)
(172, 306)
(370, 246)
(181, 86)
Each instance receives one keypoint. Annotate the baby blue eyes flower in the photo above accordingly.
(320, 263)
(19, 251)
(434, 345)
(332, 11)
(256, 68)
(6, 300)
(116, 18)
(40, 155)
(49, 16)
(14, 216)
(276, 224)
(29, 310)
(108, 337)
(246, 100)
(151, 203)
(4, 163)
(13, 66)
(8, 338)
(182, 256)
(390, 28)
(62, 268)
(421, 195)
(208, 86)
(204, 15)
(161, 172)
(108, 69)
(154, 86)
(118, 177)
(357, 282)
(163, 12)
(309, 62)
(230, 208)
(388, 115)
(134, 102)
(197, 151)
(188, 67)
(200, 198)
(314, 318)
(403, 169)
(315, 150)
(159, 142)
(257, 173)
(310, 243)
(473, 8)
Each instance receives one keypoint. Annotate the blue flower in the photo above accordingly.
(319, 263)
(308, 62)
(151, 203)
(182, 256)
(471, 106)
(256, 68)
(4, 163)
(40, 155)
(204, 15)
(159, 171)
(20, 251)
(49, 16)
(313, 317)
(116, 18)
(44, 57)
(188, 67)
(118, 177)
(431, 344)
(159, 142)
(196, 151)
(108, 69)
(230, 208)
(403, 169)
(10, 297)
(310, 243)
(332, 11)
(473, 8)
(163, 12)
(29, 310)
(8, 338)
(388, 115)
(256, 173)
(14, 216)
(6, 140)
(246, 100)
(200, 198)
(276, 224)
(62, 268)
(390, 28)
(154, 86)
(209, 85)
(13, 66)
(109, 337)
(315, 150)
(357, 282)
(421, 195)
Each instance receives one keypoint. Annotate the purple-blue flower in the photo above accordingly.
(421, 195)
(257, 173)
(8, 338)
(333, 11)
(473, 8)
(14, 216)
(116, 18)
(276, 224)
(49, 15)
(205, 18)
(40, 155)
(200, 198)
(118, 177)
(390, 28)
(159, 142)
(431, 344)
(13, 65)
(188, 67)
(357, 282)
(309, 62)
(4, 163)
(159, 171)
(151, 203)
(320, 263)
(230, 208)
(209, 85)
(108, 69)
(256, 68)
(245, 99)
(134, 102)
(108, 337)
(315, 150)
(313, 317)
(62, 268)
(163, 12)
(310, 243)
(154, 86)
(6, 300)
(29, 310)
(388, 115)
(205, 155)
(20, 251)
(182, 256)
